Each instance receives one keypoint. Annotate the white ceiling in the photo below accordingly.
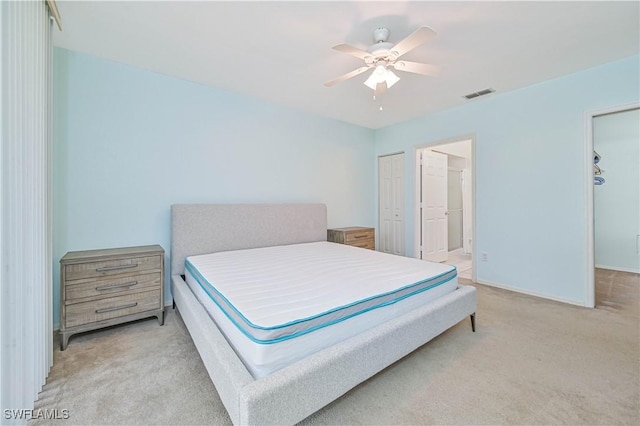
(281, 51)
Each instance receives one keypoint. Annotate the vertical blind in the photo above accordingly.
(26, 353)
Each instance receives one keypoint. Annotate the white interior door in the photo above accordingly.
(434, 206)
(391, 236)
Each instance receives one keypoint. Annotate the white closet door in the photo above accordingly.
(434, 206)
(391, 236)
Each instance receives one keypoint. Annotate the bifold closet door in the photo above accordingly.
(391, 238)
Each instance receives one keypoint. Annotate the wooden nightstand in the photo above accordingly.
(356, 236)
(100, 288)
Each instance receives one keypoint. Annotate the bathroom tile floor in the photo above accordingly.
(462, 261)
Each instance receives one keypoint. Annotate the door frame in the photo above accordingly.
(416, 200)
(590, 284)
(459, 173)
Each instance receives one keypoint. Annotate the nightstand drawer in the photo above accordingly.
(367, 244)
(353, 237)
(112, 307)
(130, 265)
(356, 236)
(92, 287)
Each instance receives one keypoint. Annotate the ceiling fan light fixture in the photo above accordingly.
(372, 81)
(380, 75)
(383, 56)
(391, 78)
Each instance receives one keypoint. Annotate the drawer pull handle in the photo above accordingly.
(361, 236)
(114, 268)
(116, 308)
(112, 286)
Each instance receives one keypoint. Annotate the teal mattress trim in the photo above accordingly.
(292, 329)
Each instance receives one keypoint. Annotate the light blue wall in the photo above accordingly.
(616, 138)
(530, 168)
(129, 143)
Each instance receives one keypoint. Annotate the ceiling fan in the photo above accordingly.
(382, 56)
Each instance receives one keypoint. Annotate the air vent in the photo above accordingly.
(480, 93)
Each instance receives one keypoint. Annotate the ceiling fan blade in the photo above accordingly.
(417, 68)
(346, 76)
(418, 37)
(381, 89)
(353, 51)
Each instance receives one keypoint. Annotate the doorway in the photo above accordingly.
(614, 194)
(445, 204)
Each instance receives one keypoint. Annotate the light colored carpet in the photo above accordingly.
(531, 361)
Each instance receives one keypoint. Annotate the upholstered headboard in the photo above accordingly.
(210, 228)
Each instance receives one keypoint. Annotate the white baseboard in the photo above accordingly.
(617, 268)
(533, 293)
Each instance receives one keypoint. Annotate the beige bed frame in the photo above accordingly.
(293, 393)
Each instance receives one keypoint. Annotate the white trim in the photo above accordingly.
(530, 293)
(417, 192)
(619, 269)
(390, 154)
(590, 285)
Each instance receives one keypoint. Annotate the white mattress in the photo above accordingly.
(277, 305)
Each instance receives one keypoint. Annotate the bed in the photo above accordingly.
(287, 393)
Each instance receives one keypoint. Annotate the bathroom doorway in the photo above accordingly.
(445, 204)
